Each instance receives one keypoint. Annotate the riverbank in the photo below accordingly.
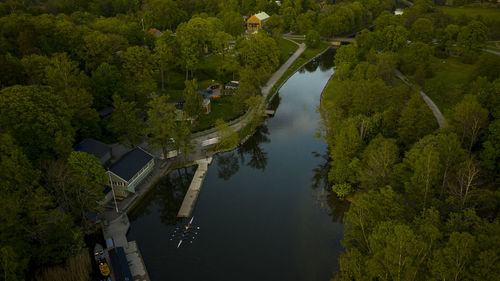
(265, 183)
(116, 225)
(307, 56)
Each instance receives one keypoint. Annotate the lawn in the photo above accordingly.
(221, 108)
(489, 13)
(451, 78)
(330, 90)
(493, 45)
(286, 47)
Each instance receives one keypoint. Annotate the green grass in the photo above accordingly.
(489, 13)
(451, 78)
(330, 90)
(493, 45)
(205, 75)
(221, 108)
(285, 47)
(308, 54)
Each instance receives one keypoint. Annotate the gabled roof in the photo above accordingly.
(131, 163)
(94, 147)
(232, 84)
(262, 16)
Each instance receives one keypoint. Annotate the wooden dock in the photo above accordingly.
(117, 230)
(191, 196)
(269, 112)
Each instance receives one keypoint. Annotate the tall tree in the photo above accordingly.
(221, 45)
(233, 22)
(164, 54)
(450, 262)
(161, 123)
(193, 106)
(38, 120)
(87, 178)
(377, 162)
(472, 36)
(106, 80)
(416, 121)
(194, 37)
(422, 30)
(228, 138)
(468, 119)
(181, 135)
(125, 122)
(137, 71)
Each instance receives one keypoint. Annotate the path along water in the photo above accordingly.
(264, 212)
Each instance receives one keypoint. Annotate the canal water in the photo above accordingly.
(264, 212)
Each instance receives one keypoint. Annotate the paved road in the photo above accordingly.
(492, 52)
(277, 75)
(265, 92)
(435, 110)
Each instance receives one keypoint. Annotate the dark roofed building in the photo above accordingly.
(130, 170)
(233, 85)
(100, 150)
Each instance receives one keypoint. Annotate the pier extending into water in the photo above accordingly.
(117, 230)
(189, 202)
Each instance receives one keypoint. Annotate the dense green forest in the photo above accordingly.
(61, 61)
(424, 199)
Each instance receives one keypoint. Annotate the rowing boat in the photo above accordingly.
(185, 231)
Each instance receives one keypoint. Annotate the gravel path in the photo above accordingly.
(435, 110)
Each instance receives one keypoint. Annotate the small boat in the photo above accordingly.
(185, 231)
(104, 268)
(101, 260)
(98, 252)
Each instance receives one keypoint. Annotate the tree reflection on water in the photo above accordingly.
(326, 199)
(167, 195)
(227, 165)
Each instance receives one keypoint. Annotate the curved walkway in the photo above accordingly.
(211, 133)
(492, 52)
(435, 110)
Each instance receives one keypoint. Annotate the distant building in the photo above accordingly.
(91, 146)
(233, 85)
(126, 174)
(180, 104)
(255, 22)
(155, 32)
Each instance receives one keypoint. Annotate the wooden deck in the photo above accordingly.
(191, 196)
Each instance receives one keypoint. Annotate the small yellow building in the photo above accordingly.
(255, 22)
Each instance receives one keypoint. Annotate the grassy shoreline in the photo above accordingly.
(305, 57)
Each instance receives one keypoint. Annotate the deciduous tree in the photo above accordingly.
(161, 123)
(468, 119)
(125, 122)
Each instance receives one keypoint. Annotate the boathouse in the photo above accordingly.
(255, 22)
(126, 174)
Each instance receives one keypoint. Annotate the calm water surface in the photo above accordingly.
(264, 211)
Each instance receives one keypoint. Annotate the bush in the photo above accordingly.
(342, 189)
